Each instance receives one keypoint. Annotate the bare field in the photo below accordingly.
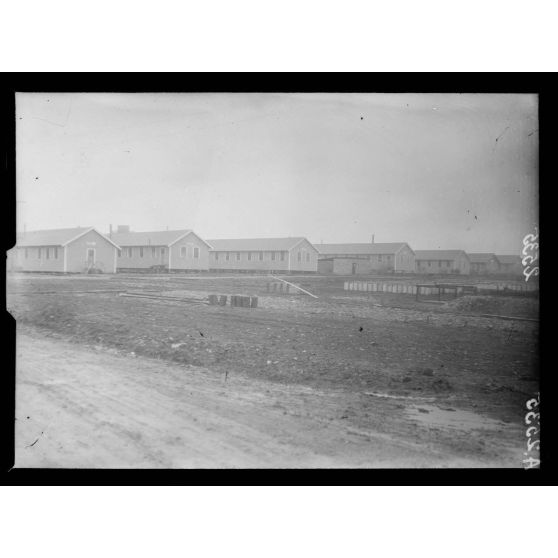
(410, 373)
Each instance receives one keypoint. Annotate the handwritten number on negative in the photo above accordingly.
(532, 403)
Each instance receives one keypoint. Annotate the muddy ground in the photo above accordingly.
(412, 374)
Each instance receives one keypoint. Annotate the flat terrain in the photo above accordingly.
(345, 380)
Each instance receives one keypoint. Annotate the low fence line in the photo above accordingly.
(403, 288)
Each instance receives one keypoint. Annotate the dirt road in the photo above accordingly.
(80, 407)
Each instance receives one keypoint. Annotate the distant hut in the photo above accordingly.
(74, 250)
(484, 263)
(362, 258)
(177, 250)
(510, 265)
(442, 262)
(290, 255)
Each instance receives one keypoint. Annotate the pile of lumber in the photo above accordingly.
(235, 300)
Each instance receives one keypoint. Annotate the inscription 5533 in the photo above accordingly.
(530, 253)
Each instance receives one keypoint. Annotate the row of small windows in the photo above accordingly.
(47, 253)
(379, 257)
(185, 251)
(258, 256)
(249, 256)
(128, 252)
(440, 263)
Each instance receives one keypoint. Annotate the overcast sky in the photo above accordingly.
(433, 170)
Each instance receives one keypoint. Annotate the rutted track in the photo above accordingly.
(80, 408)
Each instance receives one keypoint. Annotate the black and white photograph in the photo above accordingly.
(311, 280)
